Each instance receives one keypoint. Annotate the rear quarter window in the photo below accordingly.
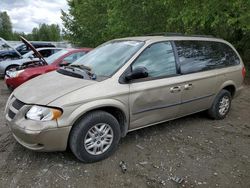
(196, 56)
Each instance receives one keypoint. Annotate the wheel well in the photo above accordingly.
(116, 112)
(10, 66)
(231, 89)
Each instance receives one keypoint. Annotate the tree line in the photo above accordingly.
(44, 32)
(91, 22)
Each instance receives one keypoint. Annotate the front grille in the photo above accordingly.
(11, 114)
(16, 105)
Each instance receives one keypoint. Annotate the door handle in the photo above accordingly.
(188, 86)
(175, 89)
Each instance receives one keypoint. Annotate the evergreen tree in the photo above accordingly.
(5, 26)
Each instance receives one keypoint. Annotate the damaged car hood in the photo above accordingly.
(46, 88)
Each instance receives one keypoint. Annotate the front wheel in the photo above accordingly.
(95, 137)
(221, 105)
(10, 68)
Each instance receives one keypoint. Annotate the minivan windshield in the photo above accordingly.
(109, 57)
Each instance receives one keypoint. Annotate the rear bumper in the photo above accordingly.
(238, 91)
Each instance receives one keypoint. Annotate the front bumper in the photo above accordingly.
(46, 140)
(14, 82)
(36, 135)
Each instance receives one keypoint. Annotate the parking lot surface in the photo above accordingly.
(201, 151)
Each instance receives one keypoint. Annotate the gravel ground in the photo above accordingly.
(205, 153)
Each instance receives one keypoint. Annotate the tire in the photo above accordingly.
(80, 134)
(10, 67)
(221, 101)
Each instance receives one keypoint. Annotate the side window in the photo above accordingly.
(158, 59)
(196, 56)
(228, 55)
(71, 58)
(45, 53)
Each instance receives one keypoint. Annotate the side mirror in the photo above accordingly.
(139, 72)
(64, 63)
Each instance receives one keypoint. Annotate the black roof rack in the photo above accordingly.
(164, 34)
(177, 34)
(210, 36)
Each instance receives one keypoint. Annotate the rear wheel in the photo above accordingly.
(221, 105)
(95, 137)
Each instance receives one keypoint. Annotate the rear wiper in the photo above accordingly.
(84, 68)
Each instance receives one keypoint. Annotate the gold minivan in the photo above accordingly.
(123, 85)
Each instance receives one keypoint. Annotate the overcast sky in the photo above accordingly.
(27, 14)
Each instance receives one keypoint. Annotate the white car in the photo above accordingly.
(28, 57)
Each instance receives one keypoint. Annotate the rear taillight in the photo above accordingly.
(244, 72)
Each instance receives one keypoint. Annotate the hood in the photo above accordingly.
(33, 49)
(48, 87)
(37, 70)
(14, 49)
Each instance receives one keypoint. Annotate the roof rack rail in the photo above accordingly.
(177, 34)
(165, 34)
(210, 36)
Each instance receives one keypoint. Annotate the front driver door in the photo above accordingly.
(157, 97)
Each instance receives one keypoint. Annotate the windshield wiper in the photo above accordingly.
(84, 68)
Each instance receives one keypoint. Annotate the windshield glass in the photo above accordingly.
(19, 46)
(109, 57)
(55, 56)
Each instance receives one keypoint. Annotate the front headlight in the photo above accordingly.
(13, 74)
(41, 113)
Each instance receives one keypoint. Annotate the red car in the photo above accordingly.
(14, 78)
